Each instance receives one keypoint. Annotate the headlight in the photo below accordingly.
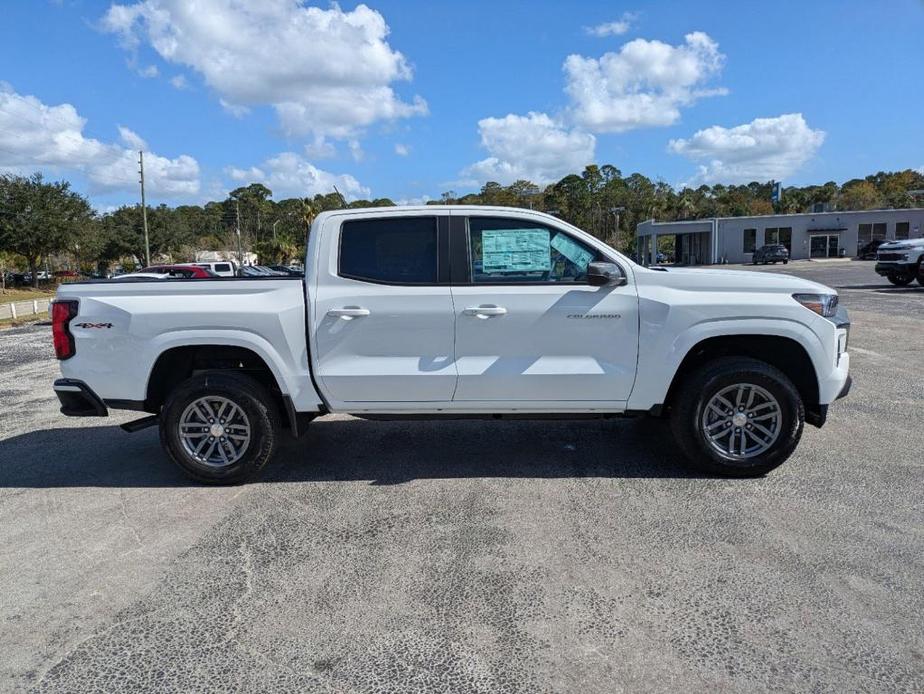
(822, 304)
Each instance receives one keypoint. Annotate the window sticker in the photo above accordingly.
(572, 250)
(515, 250)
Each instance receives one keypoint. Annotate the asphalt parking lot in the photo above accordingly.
(473, 556)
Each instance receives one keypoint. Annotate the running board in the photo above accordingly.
(139, 424)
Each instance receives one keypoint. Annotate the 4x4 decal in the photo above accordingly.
(93, 325)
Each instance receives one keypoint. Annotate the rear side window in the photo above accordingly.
(390, 251)
(222, 267)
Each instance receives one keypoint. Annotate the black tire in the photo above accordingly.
(701, 386)
(900, 280)
(785, 262)
(261, 415)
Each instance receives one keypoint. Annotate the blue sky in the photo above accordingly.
(449, 95)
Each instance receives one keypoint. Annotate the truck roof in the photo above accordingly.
(436, 209)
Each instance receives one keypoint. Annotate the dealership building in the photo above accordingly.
(811, 235)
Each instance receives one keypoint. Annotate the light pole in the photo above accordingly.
(615, 211)
(274, 228)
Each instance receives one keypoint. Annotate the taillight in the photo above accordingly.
(61, 314)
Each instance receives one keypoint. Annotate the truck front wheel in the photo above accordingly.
(900, 280)
(219, 427)
(737, 417)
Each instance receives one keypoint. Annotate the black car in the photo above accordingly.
(771, 253)
(868, 251)
(286, 270)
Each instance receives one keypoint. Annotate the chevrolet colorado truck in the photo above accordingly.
(900, 262)
(455, 312)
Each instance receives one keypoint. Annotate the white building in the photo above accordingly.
(810, 235)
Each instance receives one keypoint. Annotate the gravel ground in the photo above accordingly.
(473, 556)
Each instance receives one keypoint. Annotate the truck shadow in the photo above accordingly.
(378, 452)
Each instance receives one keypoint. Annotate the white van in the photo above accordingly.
(223, 268)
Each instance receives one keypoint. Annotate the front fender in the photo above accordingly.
(658, 366)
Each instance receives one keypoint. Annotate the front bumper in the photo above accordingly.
(890, 267)
(78, 399)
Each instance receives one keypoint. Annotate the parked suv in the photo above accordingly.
(771, 253)
(900, 261)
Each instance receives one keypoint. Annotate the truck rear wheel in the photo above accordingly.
(737, 417)
(219, 427)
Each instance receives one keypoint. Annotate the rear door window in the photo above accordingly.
(390, 251)
(222, 267)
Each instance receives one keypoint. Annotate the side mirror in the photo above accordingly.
(605, 274)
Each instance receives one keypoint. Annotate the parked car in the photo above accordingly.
(259, 271)
(287, 270)
(771, 253)
(901, 262)
(181, 271)
(460, 311)
(222, 268)
(41, 275)
(250, 271)
(868, 250)
(128, 276)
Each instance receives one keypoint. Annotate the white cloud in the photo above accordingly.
(179, 82)
(413, 202)
(149, 71)
(532, 147)
(617, 28)
(235, 110)
(764, 149)
(356, 150)
(642, 85)
(325, 72)
(320, 148)
(402, 150)
(290, 175)
(131, 138)
(35, 136)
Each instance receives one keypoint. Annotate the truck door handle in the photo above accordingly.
(348, 313)
(485, 311)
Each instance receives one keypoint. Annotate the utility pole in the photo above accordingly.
(144, 212)
(274, 228)
(616, 211)
(240, 250)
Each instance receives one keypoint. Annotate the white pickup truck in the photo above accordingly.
(455, 312)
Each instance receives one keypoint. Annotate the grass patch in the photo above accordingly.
(25, 320)
(10, 295)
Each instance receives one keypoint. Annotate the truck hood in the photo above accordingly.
(902, 245)
(704, 279)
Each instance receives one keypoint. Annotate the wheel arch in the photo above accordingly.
(784, 353)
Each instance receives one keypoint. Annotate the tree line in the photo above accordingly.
(46, 220)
